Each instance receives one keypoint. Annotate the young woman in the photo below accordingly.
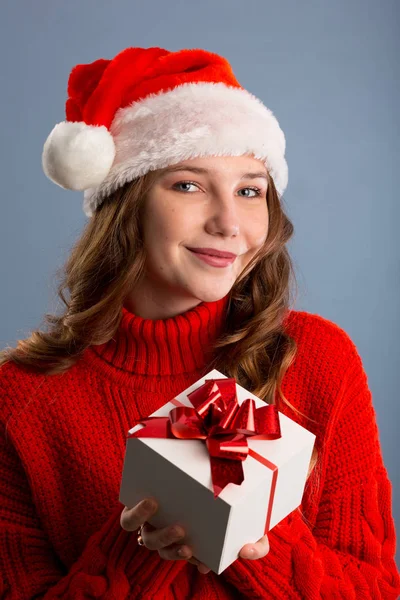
(182, 267)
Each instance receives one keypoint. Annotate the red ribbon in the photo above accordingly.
(217, 418)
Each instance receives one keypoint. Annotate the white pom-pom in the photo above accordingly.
(77, 156)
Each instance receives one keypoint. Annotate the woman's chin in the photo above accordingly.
(213, 294)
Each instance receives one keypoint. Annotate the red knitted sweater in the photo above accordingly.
(62, 447)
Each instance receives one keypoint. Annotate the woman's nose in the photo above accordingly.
(224, 219)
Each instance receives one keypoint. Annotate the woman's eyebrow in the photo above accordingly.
(202, 171)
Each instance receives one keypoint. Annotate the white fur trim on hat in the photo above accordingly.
(77, 156)
(193, 119)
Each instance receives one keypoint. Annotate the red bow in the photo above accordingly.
(218, 419)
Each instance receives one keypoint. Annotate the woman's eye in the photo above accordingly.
(183, 183)
(184, 186)
(257, 191)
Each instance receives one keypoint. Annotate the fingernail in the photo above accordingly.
(203, 569)
(148, 504)
(183, 552)
(176, 532)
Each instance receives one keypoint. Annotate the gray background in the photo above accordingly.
(328, 70)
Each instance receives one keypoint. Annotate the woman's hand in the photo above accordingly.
(257, 550)
(167, 540)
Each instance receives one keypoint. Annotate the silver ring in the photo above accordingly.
(139, 536)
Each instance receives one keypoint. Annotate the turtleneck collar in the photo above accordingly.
(180, 344)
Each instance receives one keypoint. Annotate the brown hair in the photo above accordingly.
(108, 260)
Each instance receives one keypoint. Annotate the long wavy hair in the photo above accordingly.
(108, 260)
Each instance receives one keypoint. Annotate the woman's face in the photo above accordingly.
(195, 210)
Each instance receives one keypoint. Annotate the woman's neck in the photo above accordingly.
(149, 302)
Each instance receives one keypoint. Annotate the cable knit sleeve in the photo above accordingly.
(349, 553)
(29, 566)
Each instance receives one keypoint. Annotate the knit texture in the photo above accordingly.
(62, 447)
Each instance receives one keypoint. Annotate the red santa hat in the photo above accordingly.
(149, 108)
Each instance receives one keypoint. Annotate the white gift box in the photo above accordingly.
(177, 474)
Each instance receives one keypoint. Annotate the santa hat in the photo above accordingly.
(149, 108)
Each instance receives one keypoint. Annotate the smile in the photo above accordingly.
(215, 258)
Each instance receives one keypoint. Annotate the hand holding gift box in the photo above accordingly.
(219, 461)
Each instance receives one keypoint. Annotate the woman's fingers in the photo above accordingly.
(153, 539)
(200, 566)
(160, 539)
(132, 518)
(165, 540)
(156, 539)
(175, 552)
(257, 550)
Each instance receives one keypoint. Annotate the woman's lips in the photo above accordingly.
(216, 258)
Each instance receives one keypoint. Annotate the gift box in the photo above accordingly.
(221, 462)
